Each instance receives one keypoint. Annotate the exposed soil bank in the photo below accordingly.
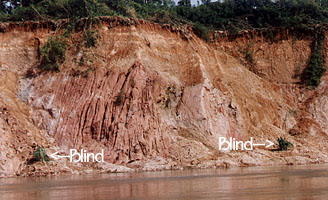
(156, 97)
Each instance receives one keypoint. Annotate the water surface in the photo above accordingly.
(270, 183)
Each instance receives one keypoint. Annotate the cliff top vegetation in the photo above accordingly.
(231, 15)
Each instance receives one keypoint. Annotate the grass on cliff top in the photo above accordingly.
(228, 15)
(231, 15)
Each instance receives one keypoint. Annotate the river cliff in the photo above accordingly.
(157, 97)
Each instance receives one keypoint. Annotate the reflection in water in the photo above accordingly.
(297, 182)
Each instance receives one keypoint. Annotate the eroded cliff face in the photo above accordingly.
(279, 56)
(156, 97)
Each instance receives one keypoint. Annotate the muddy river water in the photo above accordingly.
(269, 183)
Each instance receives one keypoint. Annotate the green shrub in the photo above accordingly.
(283, 144)
(40, 155)
(233, 29)
(316, 66)
(201, 31)
(53, 54)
